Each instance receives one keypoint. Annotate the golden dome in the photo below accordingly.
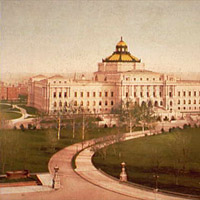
(121, 54)
(121, 43)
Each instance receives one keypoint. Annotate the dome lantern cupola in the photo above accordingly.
(121, 46)
(121, 54)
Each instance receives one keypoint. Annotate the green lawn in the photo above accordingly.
(29, 110)
(174, 157)
(6, 112)
(11, 115)
(32, 149)
(5, 107)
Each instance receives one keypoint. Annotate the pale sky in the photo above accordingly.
(63, 36)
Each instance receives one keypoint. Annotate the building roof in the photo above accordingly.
(56, 77)
(141, 73)
(121, 54)
(39, 76)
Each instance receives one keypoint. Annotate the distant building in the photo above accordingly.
(12, 92)
(120, 76)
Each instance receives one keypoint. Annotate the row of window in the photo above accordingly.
(82, 94)
(94, 110)
(59, 82)
(189, 101)
(142, 94)
(141, 79)
(60, 94)
(189, 93)
(88, 103)
(189, 108)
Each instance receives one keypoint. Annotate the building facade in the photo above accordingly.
(120, 76)
(12, 93)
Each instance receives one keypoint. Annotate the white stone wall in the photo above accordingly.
(169, 94)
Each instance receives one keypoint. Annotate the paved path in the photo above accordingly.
(23, 118)
(73, 187)
(86, 169)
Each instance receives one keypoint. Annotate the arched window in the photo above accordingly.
(55, 104)
(88, 103)
(179, 101)
(65, 103)
(150, 104)
(75, 103)
(100, 103)
(189, 102)
(81, 104)
(156, 104)
(54, 94)
(143, 103)
(94, 103)
(184, 102)
(60, 104)
(195, 101)
(171, 103)
(161, 103)
(106, 103)
(112, 103)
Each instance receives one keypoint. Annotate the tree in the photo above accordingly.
(146, 115)
(52, 139)
(129, 114)
(180, 152)
(58, 125)
(133, 114)
(71, 113)
(87, 120)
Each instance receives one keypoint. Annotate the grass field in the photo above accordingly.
(32, 149)
(11, 115)
(29, 110)
(174, 157)
(5, 107)
(6, 112)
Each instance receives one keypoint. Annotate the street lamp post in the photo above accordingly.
(156, 184)
(123, 174)
(56, 178)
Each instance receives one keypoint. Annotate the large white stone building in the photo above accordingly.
(120, 76)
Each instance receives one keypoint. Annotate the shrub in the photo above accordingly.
(22, 127)
(173, 118)
(34, 127)
(185, 126)
(30, 126)
(158, 119)
(166, 118)
(98, 119)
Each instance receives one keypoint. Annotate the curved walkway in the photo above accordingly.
(86, 169)
(75, 187)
